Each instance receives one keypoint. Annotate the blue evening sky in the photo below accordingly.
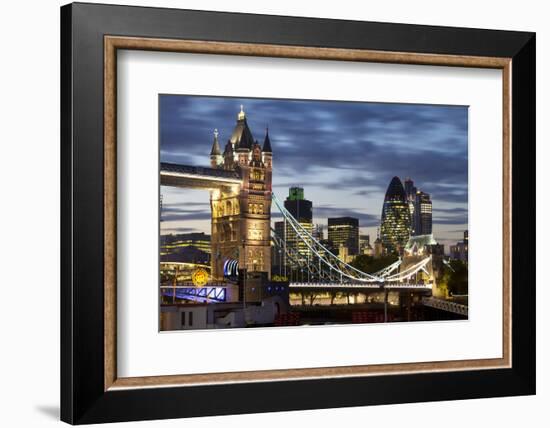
(343, 154)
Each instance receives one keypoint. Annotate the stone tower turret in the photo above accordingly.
(216, 158)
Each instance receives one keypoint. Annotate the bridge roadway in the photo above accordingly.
(197, 177)
(446, 305)
(364, 286)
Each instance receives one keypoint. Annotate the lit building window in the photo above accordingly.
(255, 208)
(258, 175)
(255, 233)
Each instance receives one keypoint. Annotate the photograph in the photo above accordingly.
(265, 214)
(291, 212)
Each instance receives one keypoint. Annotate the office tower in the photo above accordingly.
(395, 227)
(422, 214)
(410, 191)
(319, 232)
(301, 209)
(460, 250)
(344, 231)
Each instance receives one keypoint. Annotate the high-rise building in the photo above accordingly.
(171, 243)
(280, 229)
(460, 250)
(364, 243)
(420, 208)
(301, 209)
(365, 246)
(395, 227)
(410, 191)
(422, 214)
(319, 232)
(344, 231)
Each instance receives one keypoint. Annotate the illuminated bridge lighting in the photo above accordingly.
(309, 256)
(333, 285)
(321, 285)
(196, 294)
(331, 269)
(231, 268)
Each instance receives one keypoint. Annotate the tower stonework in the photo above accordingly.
(241, 215)
(216, 158)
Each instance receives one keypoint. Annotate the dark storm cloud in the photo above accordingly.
(185, 211)
(178, 229)
(365, 220)
(453, 220)
(450, 216)
(370, 140)
(348, 146)
(461, 231)
(182, 215)
(444, 211)
(175, 207)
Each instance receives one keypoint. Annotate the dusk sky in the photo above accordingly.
(344, 155)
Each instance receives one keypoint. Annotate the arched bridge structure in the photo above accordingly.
(320, 267)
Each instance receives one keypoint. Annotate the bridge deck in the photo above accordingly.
(196, 176)
(360, 286)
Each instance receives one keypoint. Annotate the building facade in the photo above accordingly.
(241, 214)
(395, 226)
(420, 208)
(319, 232)
(460, 250)
(364, 245)
(410, 191)
(344, 232)
(417, 249)
(378, 250)
(302, 210)
(422, 214)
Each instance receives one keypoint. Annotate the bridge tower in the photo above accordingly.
(241, 215)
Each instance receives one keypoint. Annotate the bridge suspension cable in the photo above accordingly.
(297, 260)
(330, 266)
(322, 253)
(382, 273)
(411, 270)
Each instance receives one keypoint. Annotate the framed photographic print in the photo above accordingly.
(292, 213)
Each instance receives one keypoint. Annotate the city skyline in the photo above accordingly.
(343, 155)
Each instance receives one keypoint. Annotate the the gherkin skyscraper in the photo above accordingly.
(395, 228)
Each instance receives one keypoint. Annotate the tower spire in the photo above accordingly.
(215, 145)
(241, 115)
(215, 153)
(267, 142)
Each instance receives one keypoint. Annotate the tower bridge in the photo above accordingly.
(239, 181)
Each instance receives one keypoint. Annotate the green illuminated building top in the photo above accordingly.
(295, 194)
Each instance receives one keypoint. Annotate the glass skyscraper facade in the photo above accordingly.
(301, 209)
(395, 227)
(410, 191)
(422, 214)
(420, 208)
(344, 231)
(460, 250)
